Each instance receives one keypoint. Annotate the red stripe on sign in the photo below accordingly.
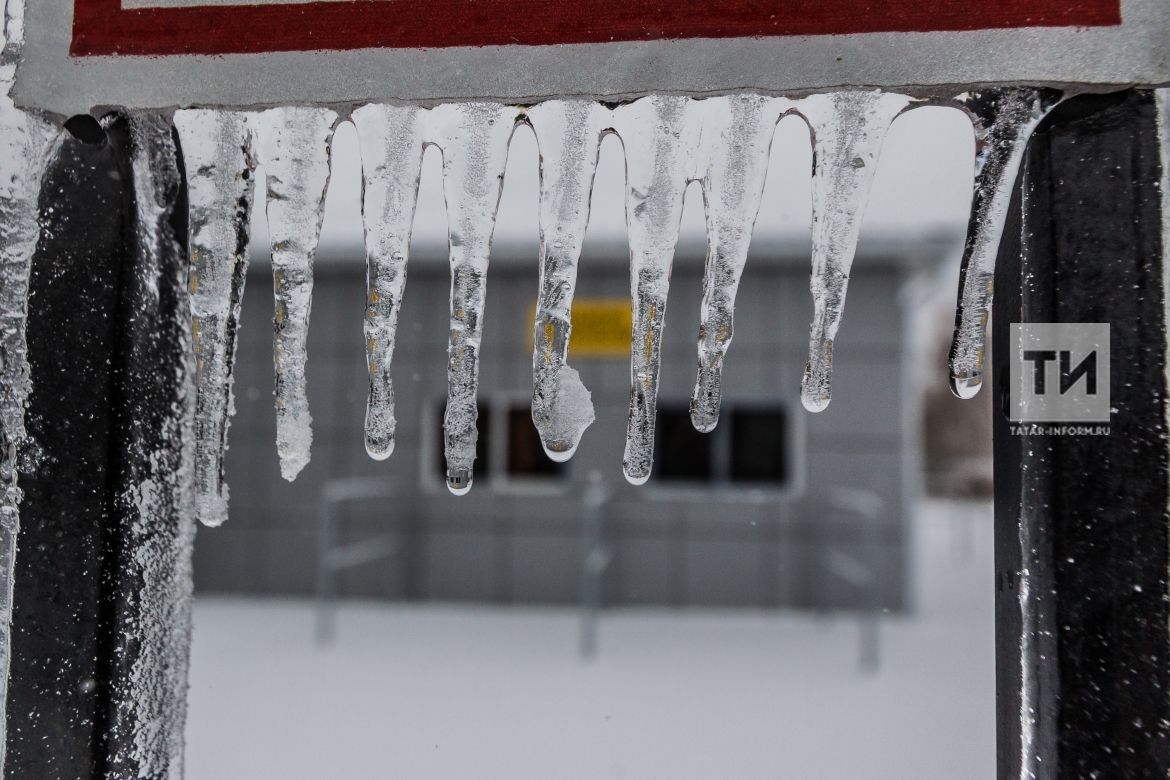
(103, 27)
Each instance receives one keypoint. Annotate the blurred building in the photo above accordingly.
(777, 507)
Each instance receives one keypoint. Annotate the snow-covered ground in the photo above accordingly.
(477, 692)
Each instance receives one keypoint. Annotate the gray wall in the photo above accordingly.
(504, 542)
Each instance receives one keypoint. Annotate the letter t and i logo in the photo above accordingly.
(1059, 372)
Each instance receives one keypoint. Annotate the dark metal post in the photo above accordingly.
(101, 621)
(1082, 548)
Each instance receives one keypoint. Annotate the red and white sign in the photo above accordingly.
(161, 53)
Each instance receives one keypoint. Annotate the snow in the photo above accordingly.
(431, 691)
(26, 142)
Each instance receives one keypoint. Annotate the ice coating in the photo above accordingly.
(1004, 121)
(391, 140)
(474, 139)
(217, 155)
(26, 142)
(660, 136)
(157, 496)
(568, 133)
(848, 129)
(736, 140)
(293, 146)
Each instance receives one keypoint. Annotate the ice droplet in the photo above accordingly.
(736, 141)
(217, 155)
(26, 143)
(391, 140)
(660, 136)
(569, 136)
(1004, 121)
(474, 140)
(848, 129)
(293, 146)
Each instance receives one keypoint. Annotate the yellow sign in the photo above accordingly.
(601, 328)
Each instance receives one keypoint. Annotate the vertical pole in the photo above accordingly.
(1082, 544)
(101, 625)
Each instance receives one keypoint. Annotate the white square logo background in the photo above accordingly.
(1051, 345)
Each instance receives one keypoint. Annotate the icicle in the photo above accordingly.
(659, 137)
(293, 145)
(1004, 121)
(848, 129)
(26, 142)
(569, 136)
(391, 140)
(217, 157)
(474, 138)
(736, 140)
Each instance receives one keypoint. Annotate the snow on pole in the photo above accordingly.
(1004, 121)
(391, 142)
(568, 133)
(736, 141)
(474, 139)
(26, 141)
(660, 137)
(217, 155)
(293, 146)
(848, 129)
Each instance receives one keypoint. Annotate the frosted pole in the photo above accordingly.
(391, 142)
(26, 142)
(736, 141)
(294, 150)
(1004, 121)
(659, 137)
(848, 129)
(217, 155)
(569, 136)
(474, 138)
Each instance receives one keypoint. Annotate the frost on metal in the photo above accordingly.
(217, 155)
(26, 142)
(1004, 121)
(293, 145)
(157, 498)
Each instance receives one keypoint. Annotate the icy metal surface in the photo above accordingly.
(25, 144)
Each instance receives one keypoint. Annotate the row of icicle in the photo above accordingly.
(669, 141)
(723, 143)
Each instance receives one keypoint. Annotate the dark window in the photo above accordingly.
(680, 452)
(526, 456)
(759, 445)
(482, 451)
